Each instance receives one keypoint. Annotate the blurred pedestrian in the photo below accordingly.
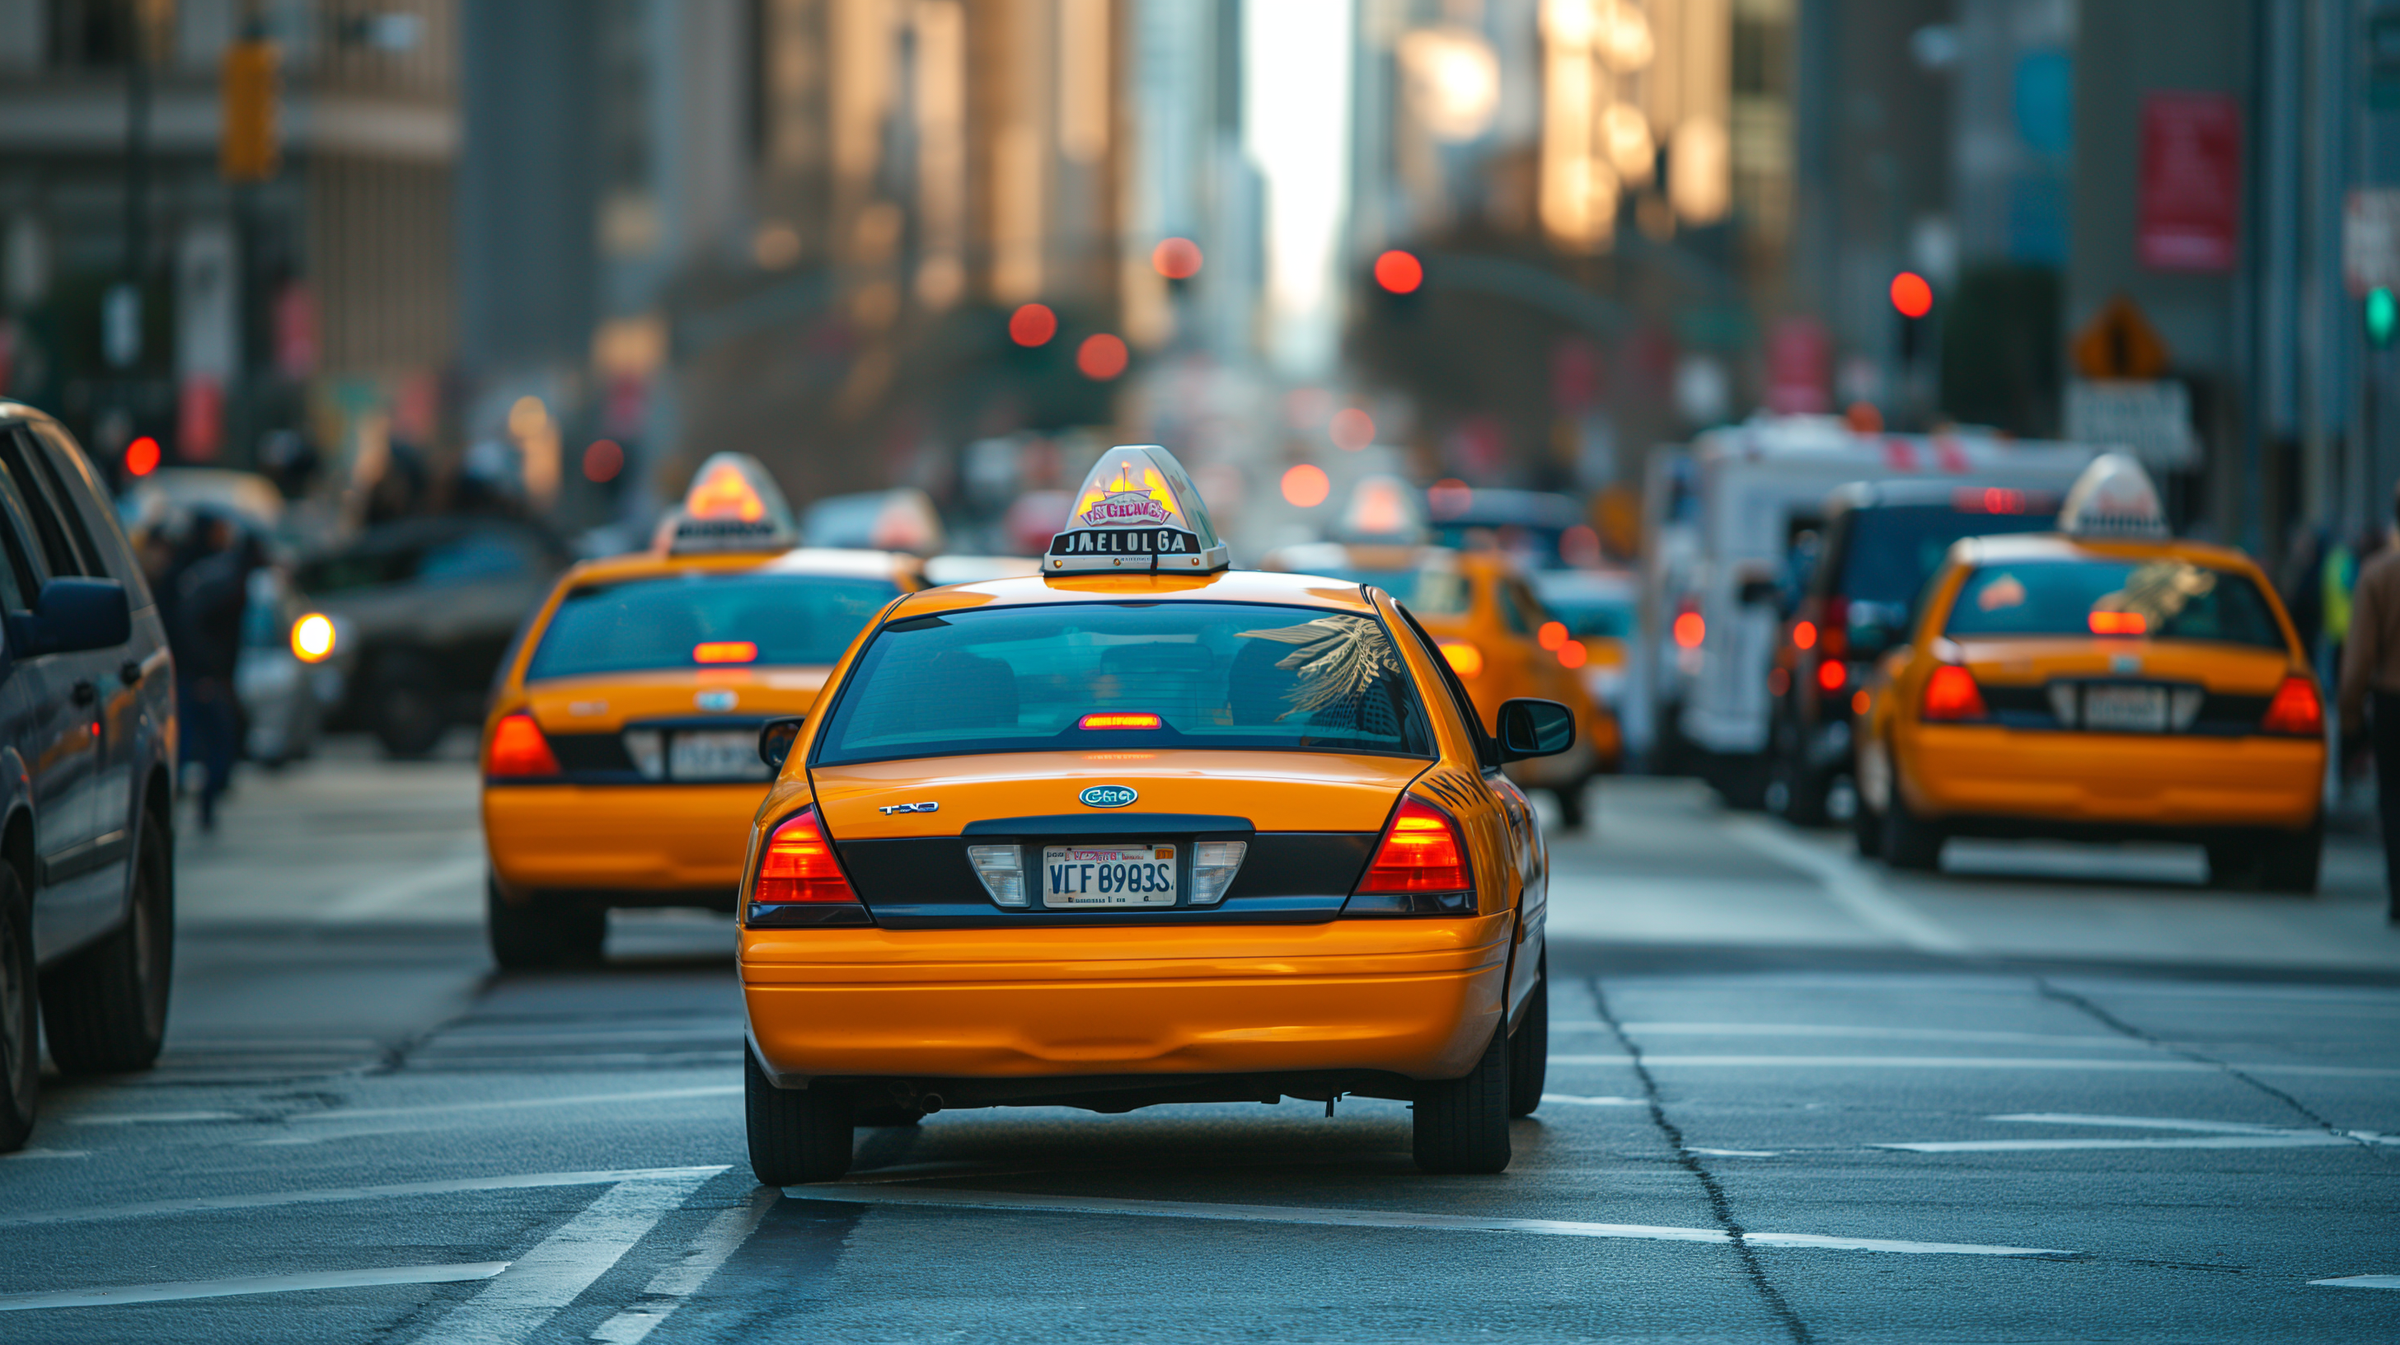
(212, 592)
(2370, 690)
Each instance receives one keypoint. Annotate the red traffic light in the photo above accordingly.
(142, 455)
(1911, 295)
(1032, 325)
(1399, 272)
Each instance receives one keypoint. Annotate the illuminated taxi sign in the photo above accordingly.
(1137, 511)
(732, 505)
(2113, 498)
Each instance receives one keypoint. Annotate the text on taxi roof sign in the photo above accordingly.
(1137, 511)
(732, 505)
(2113, 498)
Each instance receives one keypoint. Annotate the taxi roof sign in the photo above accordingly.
(1139, 512)
(732, 505)
(2113, 498)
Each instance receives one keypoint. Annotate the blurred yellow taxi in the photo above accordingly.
(1144, 829)
(2106, 682)
(620, 752)
(1496, 634)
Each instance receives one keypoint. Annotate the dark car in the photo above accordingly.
(1881, 542)
(424, 608)
(87, 723)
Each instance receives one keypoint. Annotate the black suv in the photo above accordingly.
(1882, 541)
(87, 732)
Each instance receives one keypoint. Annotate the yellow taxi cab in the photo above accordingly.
(1142, 830)
(620, 753)
(2106, 682)
(1496, 634)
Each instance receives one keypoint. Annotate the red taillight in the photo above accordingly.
(1421, 852)
(518, 748)
(1804, 635)
(1118, 719)
(1951, 693)
(799, 865)
(2119, 623)
(1831, 674)
(1690, 629)
(2296, 709)
(725, 651)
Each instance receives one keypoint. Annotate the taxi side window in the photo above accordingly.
(1519, 607)
(57, 544)
(21, 579)
(89, 521)
(1487, 750)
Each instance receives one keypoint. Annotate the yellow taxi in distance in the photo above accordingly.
(620, 753)
(1143, 830)
(2106, 682)
(1495, 633)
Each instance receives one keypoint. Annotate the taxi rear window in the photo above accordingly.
(1127, 676)
(2163, 599)
(687, 620)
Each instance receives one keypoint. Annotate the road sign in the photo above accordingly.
(2190, 183)
(2371, 240)
(2120, 343)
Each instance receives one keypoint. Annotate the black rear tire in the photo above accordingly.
(1909, 841)
(105, 1008)
(1866, 830)
(20, 1016)
(1529, 1051)
(797, 1135)
(529, 935)
(2291, 862)
(1462, 1124)
(408, 718)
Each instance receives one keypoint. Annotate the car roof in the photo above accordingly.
(1258, 586)
(830, 562)
(2028, 546)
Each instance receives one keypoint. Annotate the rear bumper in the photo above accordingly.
(643, 842)
(2129, 781)
(1417, 999)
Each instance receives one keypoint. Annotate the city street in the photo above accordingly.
(2052, 1093)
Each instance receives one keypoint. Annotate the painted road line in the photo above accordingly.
(330, 1195)
(1573, 1101)
(518, 1104)
(48, 1153)
(253, 1284)
(1971, 1062)
(724, 1236)
(2362, 1282)
(1736, 1153)
(381, 898)
(2056, 1118)
(530, 1292)
(153, 1118)
(1285, 1214)
(1851, 887)
(1866, 1033)
(2296, 1139)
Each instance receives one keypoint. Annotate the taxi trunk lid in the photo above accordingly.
(2079, 684)
(1308, 823)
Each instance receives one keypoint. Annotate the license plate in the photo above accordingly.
(715, 755)
(1108, 875)
(2110, 709)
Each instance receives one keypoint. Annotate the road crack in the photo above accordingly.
(2116, 1024)
(1720, 1206)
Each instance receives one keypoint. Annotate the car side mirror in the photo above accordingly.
(1534, 728)
(72, 615)
(775, 739)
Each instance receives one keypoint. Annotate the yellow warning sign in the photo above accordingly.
(2119, 343)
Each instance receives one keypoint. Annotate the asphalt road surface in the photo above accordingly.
(2054, 1093)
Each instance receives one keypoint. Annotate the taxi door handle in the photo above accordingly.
(86, 693)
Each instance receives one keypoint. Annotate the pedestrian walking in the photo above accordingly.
(212, 590)
(2370, 690)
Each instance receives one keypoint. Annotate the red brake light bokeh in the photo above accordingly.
(725, 651)
(1951, 694)
(1119, 719)
(2119, 623)
(519, 749)
(2297, 709)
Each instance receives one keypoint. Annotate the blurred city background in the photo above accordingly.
(534, 259)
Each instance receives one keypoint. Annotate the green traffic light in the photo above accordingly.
(2383, 314)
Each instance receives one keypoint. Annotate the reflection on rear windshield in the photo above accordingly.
(2165, 599)
(1218, 675)
(745, 618)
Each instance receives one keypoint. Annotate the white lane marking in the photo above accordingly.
(731, 1033)
(1573, 1101)
(530, 1292)
(2061, 1118)
(724, 1235)
(152, 1118)
(252, 1284)
(1852, 888)
(1285, 1214)
(1969, 1062)
(1868, 1033)
(330, 1195)
(2362, 1282)
(1738, 1153)
(2296, 1139)
(49, 1153)
(382, 897)
(517, 1103)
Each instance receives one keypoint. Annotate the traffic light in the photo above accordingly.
(251, 150)
(1912, 299)
(2383, 314)
(1399, 283)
